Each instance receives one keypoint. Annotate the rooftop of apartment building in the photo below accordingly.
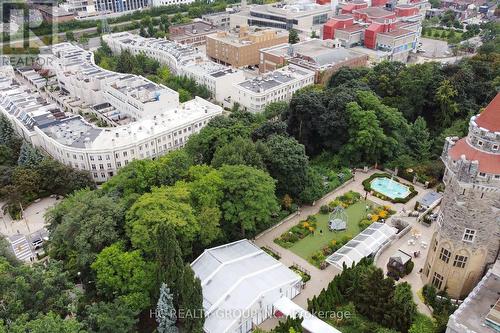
(210, 68)
(70, 130)
(193, 29)
(275, 79)
(76, 132)
(481, 309)
(183, 53)
(292, 9)
(315, 52)
(82, 64)
(246, 35)
(374, 12)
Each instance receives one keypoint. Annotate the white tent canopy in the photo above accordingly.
(239, 277)
(311, 323)
(366, 243)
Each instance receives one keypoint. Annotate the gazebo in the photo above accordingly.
(338, 219)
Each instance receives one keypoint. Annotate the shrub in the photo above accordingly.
(324, 209)
(363, 224)
(409, 267)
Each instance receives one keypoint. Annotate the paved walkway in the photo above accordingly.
(414, 278)
(321, 278)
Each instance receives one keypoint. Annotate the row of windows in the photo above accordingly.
(459, 261)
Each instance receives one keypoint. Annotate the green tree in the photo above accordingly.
(239, 151)
(191, 303)
(165, 312)
(7, 133)
(29, 291)
(81, 226)
(112, 317)
(404, 308)
(422, 324)
(29, 156)
(124, 275)
(293, 36)
(126, 62)
(164, 204)
(419, 141)
(47, 323)
(287, 162)
(366, 137)
(269, 128)
(248, 201)
(445, 96)
(169, 263)
(275, 109)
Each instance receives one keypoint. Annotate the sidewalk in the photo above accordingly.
(321, 278)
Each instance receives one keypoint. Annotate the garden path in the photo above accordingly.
(321, 278)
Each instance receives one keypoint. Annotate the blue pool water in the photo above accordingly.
(390, 188)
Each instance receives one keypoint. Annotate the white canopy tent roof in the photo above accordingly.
(366, 243)
(311, 323)
(234, 277)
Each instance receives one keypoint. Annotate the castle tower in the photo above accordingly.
(467, 239)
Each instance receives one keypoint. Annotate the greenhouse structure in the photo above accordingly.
(365, 244)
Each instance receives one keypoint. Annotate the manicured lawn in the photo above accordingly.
(314, 242)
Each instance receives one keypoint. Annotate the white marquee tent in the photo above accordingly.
(366, 243)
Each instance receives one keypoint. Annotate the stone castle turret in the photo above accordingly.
(467, 239)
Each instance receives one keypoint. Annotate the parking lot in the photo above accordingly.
(434, 48)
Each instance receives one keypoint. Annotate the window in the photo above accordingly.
(91, 158)
(444, 255)
(437, 280)
(495, 147)
(469, 235)
(480, 143)
(435, 245)
(482, 174)
(460, 261)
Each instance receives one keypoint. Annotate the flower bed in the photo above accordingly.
(367, 186)
(376, 214)
(318, 258)
(305, 276)
(271, 253)
(297, 232)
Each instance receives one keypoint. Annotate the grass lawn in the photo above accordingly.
(431, 33)
(312, 243)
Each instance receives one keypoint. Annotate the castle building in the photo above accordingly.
(467, 240)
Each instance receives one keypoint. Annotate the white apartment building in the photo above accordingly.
(160, 123)
(171, 54)
(156, 3)
(182, 60)
(278, 85)
(219, 79)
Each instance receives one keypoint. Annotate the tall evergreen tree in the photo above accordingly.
(165, 311)
(170, 266)
(29, 156)
(191, 303)
(7, 134)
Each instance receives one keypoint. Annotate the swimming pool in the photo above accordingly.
(390, 188)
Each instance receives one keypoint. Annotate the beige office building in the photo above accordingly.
(240, 47)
